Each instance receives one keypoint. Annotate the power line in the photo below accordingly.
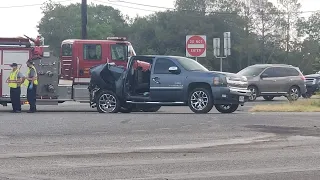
(103, 2)
(215, 12)
(173, 9)
(29, 5)
(146, 5)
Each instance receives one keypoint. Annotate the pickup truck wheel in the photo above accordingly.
(107, 102)
(200, 100)
(229, 108)
(307, 95)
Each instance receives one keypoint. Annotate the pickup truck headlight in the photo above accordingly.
(219, 80)
(242, 79)
(216, 80)
(237, 81)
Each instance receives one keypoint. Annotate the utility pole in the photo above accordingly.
(263, 31)
(84, 19)
(288, 37)
(247, 31)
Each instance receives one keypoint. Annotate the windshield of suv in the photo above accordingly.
(251, 71)
(190, 64)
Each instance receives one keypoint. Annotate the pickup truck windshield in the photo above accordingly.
(190, 64)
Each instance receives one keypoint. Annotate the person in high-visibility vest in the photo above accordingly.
(14, 82)
(31, 83)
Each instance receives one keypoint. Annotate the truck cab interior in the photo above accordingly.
(138, 79)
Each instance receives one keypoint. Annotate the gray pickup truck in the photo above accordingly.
(149, 82)
(313, 84)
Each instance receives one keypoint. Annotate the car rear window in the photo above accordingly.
(292, 72)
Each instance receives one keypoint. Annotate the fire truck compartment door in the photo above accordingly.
(10, 56)
(81, 93)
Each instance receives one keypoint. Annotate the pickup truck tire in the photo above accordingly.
(307, 95)
(200, 100)
(227, 108)
(108, 102)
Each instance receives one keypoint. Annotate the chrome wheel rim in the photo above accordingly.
(199, 100)
(253, 94)
(294, 93)
(107, 103)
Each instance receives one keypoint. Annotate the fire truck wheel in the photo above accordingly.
(108, 102)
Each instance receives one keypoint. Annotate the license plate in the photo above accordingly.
(241, 98)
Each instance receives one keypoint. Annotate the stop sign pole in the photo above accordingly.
(227, 47)
(196, 46)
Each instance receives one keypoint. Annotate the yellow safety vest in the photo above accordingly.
(13, 77)
(35, 82)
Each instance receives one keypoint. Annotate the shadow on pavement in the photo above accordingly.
(301, 131)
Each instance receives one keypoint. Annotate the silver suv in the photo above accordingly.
(274, 80)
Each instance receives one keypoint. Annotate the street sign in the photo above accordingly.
(196, 46)
(216, 47)
(227, 43)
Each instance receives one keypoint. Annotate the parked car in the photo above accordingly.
(274, 80)
(313, 84)
(170, 81)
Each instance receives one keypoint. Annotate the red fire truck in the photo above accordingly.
(63, 78)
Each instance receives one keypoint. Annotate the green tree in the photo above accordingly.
(290, 9)
(267, 22)
(64, 22)
(310, 47)
(259, 30)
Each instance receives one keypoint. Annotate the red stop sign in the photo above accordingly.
(196, 46)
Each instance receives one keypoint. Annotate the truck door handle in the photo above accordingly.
(156, 80)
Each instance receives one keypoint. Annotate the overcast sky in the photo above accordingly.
(16, 21)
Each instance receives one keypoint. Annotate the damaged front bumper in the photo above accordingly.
(92, 96)
(231, 95)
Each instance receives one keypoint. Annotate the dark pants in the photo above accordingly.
(32, 96)
(15, 98)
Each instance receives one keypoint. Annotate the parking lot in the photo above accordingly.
(73, 141)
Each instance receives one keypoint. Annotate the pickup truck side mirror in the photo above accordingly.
(174, 70)
(264, 76)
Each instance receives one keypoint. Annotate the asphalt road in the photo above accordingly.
(172, 144)
(84, 107)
